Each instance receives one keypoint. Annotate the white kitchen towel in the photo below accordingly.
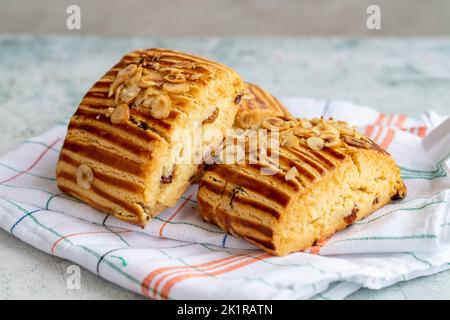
(179, 256)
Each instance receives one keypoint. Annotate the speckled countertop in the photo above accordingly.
(43, 79)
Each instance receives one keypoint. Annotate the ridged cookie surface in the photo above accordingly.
(256, 105)
(327, 176)
(124, 143)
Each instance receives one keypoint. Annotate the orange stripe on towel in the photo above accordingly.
(390, 118)
(400, 121)
(169, 284)
(145, 285)
(380, 118)
(377, 136)
(422, 132)
(388, 139)
(369, 131)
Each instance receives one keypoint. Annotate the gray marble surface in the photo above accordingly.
(43, 79)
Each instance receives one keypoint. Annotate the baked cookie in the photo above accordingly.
(327, 176)
(256, 105)
(123, 148)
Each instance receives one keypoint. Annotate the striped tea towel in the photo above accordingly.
(179, 256)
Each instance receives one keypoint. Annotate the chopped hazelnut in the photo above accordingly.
(84, 176)
(121, 114)
(160, 107)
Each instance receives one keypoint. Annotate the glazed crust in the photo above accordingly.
(130, 153)
(256, 105)
(313, 193)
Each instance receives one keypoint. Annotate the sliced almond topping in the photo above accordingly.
(289, 140)
(291, 123)
(129, 93)
(156, 65)
(347, 131)
(317, 129)
(152, 91)
(305, 123)
(127, 71)
(344, 128)
(206, 67)
(140, 98)
(160, 107)
(331, 129)
(109, 111)
(291, 174)
(135, 78)
(117, 93)
(195, 76)
(117, 83)
(153, 75)
(176, 87)
(175, 77)
(146, 97)
(316, 121)
(330, 140)
(331, 132)
(84, 176)
(273, 123)
(302, 132)
(184, 64)
(357, 142)
(121, 114)
(147, 81)
(121, 77)
(147, 103)
(315, 143)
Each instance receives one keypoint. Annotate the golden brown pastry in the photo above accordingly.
(256, 105)
(328, 176)
(124, 143)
